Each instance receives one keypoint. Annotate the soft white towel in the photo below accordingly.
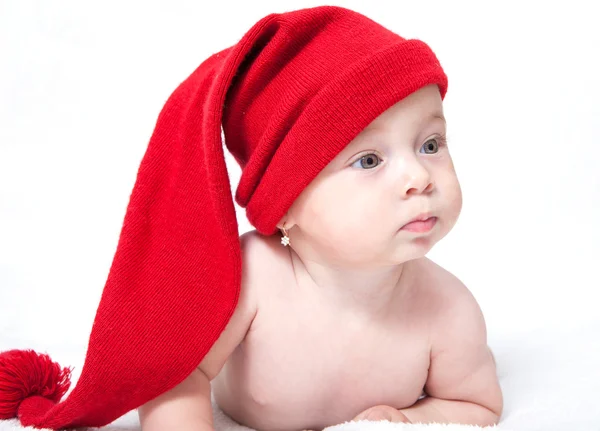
(222, 422)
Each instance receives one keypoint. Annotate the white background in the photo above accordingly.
(81, 85)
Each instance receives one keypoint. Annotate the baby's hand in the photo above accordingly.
(382, 413)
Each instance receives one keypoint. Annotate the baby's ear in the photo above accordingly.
(288, 225)
(287, 221)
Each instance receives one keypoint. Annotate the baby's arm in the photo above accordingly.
(188, 405)
(462, 383)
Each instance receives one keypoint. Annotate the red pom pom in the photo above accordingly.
(24, 373)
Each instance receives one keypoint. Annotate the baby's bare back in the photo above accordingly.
(302, 365)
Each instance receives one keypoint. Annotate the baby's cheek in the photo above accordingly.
(326, 219)
(345, 228)
(454, 202)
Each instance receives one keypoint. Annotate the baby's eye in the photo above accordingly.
(368, 161)
(431, 147)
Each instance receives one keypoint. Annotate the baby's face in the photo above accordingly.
(397, 168)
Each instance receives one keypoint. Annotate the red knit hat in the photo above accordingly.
(295, 90)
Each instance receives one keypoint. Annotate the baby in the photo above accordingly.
(351, 320)
(338, 126)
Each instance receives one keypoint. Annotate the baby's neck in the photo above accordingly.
(363, 292)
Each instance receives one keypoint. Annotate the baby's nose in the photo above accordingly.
(417, 181)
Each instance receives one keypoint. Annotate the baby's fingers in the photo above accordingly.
(382, 413)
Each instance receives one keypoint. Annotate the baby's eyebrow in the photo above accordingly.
(438, 115)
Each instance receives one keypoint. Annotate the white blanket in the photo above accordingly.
(222, 422)
(550, 380)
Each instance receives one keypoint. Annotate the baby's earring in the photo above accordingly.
(285, 240)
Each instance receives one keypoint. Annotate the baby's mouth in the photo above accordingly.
(420, 226)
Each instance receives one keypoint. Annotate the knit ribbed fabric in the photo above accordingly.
(295, 90)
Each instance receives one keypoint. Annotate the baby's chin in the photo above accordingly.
(417, 250)
(410, 246)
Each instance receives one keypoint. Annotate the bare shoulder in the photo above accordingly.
(257, 258)
(452, 307)
(254, 256)
(263, 256)
(444, 288)
(264, 243)
(267, 256)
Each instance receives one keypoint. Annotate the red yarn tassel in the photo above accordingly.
(25, 373)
